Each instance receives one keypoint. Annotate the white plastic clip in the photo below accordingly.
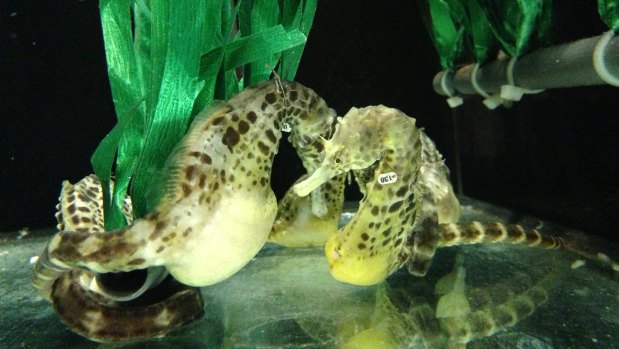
(511, 92)
(491, 102)
(453, 100)
(599, 60)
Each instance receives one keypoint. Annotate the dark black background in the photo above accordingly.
(553, 155)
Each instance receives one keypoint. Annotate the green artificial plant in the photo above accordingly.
(166, 61)
(609, 11)
(445, 30)
(517, 25)
(520, 26)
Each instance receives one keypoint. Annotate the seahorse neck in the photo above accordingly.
(230, 147)
(309, 120)
(272, 106)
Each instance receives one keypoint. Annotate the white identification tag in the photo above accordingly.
(387, 178)
(286, 127)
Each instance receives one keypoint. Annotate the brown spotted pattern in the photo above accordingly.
(228, 151)
(78, 207)
(298, 225)
(308, 221)
(454, 234)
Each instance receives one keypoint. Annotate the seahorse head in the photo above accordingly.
(356, 144)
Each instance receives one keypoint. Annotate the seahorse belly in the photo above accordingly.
(305, 229)
(233, 235)
(357, 271)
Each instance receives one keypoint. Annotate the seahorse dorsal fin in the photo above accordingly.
(60, 216)
(165, 182)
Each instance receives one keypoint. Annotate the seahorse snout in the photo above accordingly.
(319, 177)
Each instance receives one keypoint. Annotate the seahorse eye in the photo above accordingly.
(338, 161)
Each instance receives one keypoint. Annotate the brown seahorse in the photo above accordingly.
(404, 201)
(217, 211)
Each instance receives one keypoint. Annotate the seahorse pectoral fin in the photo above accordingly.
(320, 176)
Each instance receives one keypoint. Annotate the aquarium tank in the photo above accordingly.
(309, 174)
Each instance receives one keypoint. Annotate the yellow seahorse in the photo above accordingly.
(385, 148)
(408, 209)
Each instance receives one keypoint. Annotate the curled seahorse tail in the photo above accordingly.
(166, 306)
(453, 234)
(96, 251)
(45, 273)
(101, 319)
(115, 251)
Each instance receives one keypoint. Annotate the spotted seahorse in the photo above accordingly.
(384, 148)
(217, 211)
(408, 209)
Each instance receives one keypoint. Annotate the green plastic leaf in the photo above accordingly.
(102, 161)
(446, 33)
(127, 93)
(248, 49)
(211, 62)
(264, 15)
(267, 42)
(210, 65)
(519, 25)
(167, 60)
(185, 21)
(609, 11)
(245, 11)
(300, 15)
(483, 42)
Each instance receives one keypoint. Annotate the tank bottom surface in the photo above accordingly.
(286, 298)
